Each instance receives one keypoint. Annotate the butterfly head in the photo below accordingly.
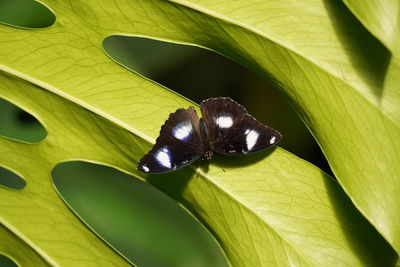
(208, 155)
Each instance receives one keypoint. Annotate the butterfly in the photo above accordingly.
(226, 128)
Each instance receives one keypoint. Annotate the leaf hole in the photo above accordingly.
(199, 73)
(18, 124)
(6, 261)
(25, 14)
(135, 218)
(11, 180)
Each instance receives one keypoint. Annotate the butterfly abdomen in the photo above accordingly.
(207, 149)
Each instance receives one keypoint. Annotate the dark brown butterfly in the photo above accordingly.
(226, 128)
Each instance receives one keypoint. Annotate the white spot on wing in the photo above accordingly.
(251, 138)
(145, 168)
(182, 130)
(272, 140)
(224, 121)
(163, 157)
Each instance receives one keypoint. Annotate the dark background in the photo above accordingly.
(138, 220)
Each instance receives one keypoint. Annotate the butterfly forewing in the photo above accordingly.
(231, 130)
(178, 145)
(246, 136)
(220, 114)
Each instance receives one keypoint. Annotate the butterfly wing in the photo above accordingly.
(233, 131)
(247, 135)
(220, 114)
(178, 145)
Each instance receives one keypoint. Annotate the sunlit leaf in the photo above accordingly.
(270, 208)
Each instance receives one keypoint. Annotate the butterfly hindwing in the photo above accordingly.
(178, 145)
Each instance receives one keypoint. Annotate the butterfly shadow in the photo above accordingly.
(174, 183)
(240, 161)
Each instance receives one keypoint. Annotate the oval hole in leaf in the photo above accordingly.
(6, 261)
(25, 14)
(11, 180)
(198, 74)
(19, 124)
(135, 218)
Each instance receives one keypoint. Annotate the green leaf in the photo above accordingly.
(270, 208)
(290, 212)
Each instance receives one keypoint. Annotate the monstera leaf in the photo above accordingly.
(270, 208)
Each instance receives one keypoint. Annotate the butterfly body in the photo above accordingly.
(207, 151)
(226, 128)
